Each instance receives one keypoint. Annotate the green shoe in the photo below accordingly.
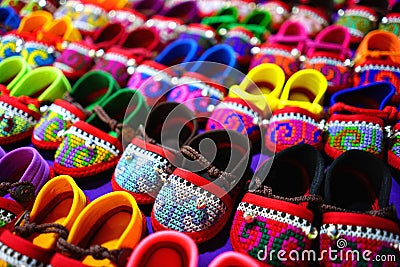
(12, 70)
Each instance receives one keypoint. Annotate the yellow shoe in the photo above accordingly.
(105, 232)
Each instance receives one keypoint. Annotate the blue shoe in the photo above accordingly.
(9, 20)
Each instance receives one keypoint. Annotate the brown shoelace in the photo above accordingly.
(113, 124)
(388, 212)
(29, 228)
(22, 191)
(67, 97)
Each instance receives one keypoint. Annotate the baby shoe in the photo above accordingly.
(132, 49)
(356, 214)
(204, 35)
(378, 59)
(9, 20)
(12, 43)
(32, 242)
(152, 154)
(19, 108)
(12, 70)
(32, 6)
(89, 91)
(201, 88)
(224, 16)
(24, 174)
(283, 49)
(94, 146)
(186, 11)
(104, 233)
(154, 78)
(273, 216)
(233, 259)
(49, 41)
(391, 22)
(70, 8)
(90, 16)
(359, 20)
(166, 248)
(78, 57)
(198, 198)
(210, 8)
(312, 18)
(148, 7)
(358, 118)
(249, 102)
(129, 18)
(330, 54)
(297, 117)
(279, 11)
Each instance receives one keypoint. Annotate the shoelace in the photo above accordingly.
(29, 228)
(67, 97)
(387, 212)
(21, 191)
(112, 123)
(117, 256)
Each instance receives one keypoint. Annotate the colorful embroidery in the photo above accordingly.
(75, 58)
(357, 239)
(80, 149)
(358, 21)
(6, 217)
(91, 18)
(53, 124)
(14, 121)
(38, 54)
(241, 42)
(117, 65)
(168, 29)
(176, 206)
(347, 135)
(288, 129)
(375, 73)
(10, 45)
(14, 258)
(391, 24)
(141, 171)
(257, 231)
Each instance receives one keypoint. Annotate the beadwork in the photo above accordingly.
(10, 45)
(14, 121)
(14, 258)
(369, 73)
(6, 217)
(38, 54)
(176, 206)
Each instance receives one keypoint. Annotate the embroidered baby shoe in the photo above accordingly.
(273, 216)
(313, 19)
(224, 16)
(359, 20)
(201, 87)
(204, 35)
(296, 119)
(69, 9)
(148, 8)
(358, 118)
(9, 20)
(94, 146)
(19, 108)
(391, 21)
(152, 154)
(56, 208)
(78, 57)
(12, 43)
(249, 102)
(279, 11)
(356, 211)
(187, 11)
(131, 50)
(197, 198)
(90, 17)
(154, 78)
(12, 70)
(377, 59)
(167, 248)
(104, 233)
(283, 49)
(50, 40)
(32, 6)
(330, 54)
(129, 18)
(89, 91)
(24, 174)
(231, 258)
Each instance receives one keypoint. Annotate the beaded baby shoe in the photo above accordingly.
(130, 19)
(279, 11)
(132, 49)
(204, 35)
(201, 88)
(78, 57)
(197, 198)
(24, 172)
(152, 154)
(154, 78)
(330, 54)
(104, 233)
(249, 102)
(358, 119)
(49, 41)
(273, 216)
(283, 49)
(89, 91)
(312, 18)
(94, 146)
(297, 117)
(155, 250)
(19, 108)
(32, 242)
(90, 16)
(32, 6)
(391, 21)
(12, 43)
(356, 215)
(359, 20)
(9, 20)
(378, 59)
(12, 70)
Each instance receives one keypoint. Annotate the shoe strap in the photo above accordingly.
(98, 252)
(389, 113)
(28, 229)
(329, 46)
(112, 123)
(21, 191)
(387, 212)
(69, 98)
